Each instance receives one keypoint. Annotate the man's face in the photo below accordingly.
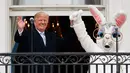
(41, 22)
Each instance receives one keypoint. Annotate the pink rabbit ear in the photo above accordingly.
(120, 18)
(98, 16)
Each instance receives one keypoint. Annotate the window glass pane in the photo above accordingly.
(72, 2)
(26, 2)
(56, 2)
(93, 2)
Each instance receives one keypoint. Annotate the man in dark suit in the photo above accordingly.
(36, 39)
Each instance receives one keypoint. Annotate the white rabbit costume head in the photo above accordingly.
(107, 30)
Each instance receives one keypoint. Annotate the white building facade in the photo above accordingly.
(56, 8)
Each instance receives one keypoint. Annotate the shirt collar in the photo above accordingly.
(40, 32)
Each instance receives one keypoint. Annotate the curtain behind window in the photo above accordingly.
(13, 29)
(13, 24)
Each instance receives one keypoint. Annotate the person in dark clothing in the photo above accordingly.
(35, 39)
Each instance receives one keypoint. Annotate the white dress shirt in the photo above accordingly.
(42, 34)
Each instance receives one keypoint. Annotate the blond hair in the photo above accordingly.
(39, 14)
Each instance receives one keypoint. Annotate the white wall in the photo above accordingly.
(115, 6)
(4, 31)
(3, 26)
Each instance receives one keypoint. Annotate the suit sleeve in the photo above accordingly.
(20, 38)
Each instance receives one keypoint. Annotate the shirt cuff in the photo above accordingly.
(20, 32)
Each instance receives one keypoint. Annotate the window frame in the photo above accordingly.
(52, 10)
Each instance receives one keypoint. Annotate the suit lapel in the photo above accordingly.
(38, 38)
(47, 38)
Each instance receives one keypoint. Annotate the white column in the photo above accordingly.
(4, 30)
(115, 6)
(126, 26)
(4, 27)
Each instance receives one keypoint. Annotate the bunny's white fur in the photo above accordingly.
(105, 44)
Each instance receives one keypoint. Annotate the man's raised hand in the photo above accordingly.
(20, 23)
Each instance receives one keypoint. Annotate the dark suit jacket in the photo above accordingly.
(31, 41)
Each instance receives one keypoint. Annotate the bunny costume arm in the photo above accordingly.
(88, 44)
(80, 30)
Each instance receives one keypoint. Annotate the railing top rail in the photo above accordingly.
(67, 53)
